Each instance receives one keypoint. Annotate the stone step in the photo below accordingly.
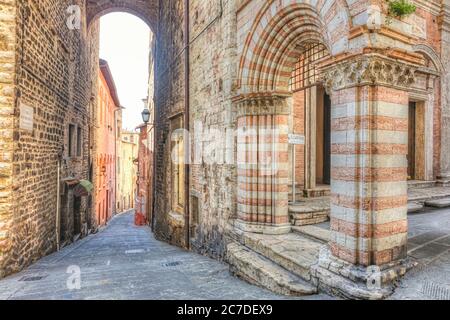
(414, 207)
(318, 192)
(260, 271)
(443, 183)
(440, 203)
(292, 251)
(428, 194)
(416, 184)
(321, 234)
(310, 211)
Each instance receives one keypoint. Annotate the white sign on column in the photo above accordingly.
(296, 139)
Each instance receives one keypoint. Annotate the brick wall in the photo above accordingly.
(7, 95)
(54, 78)
(169, 100)
(212, 70)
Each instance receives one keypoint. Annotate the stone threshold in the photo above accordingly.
(310, 211)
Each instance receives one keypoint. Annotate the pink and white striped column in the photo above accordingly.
(262, 164)
(369, 175)
(368, 247)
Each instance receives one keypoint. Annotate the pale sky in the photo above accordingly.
(124, 43)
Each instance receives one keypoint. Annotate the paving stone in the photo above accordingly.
(441, 203)
(428, 237)
(414, 207)
(445, 241)
(429, 251)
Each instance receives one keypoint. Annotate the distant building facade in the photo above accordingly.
(145, 174)
(105, 160)
(127, 171)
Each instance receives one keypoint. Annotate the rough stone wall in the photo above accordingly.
(53, 77)
(7, 95)
(93, 50)
(169, 101)
(213, 71)
(444, 23)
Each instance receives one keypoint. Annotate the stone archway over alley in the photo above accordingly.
(303, 142)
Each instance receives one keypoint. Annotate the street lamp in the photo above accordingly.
(146, 115)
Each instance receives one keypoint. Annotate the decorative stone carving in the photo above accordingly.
(262, 105)
(369, 70)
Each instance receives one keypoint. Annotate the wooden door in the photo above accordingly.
(412, 141)
(327, 140)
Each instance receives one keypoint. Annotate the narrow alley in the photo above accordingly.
(246, 149)
(125, 262)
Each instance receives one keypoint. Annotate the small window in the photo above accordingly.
(72, 146)
(79, 141)
(178, 163)
(195, 210)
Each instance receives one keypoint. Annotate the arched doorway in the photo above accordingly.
(283, 100)
(311, 122)
(309, 138)
(368, 94)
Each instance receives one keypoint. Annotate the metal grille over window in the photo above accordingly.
(306, 73)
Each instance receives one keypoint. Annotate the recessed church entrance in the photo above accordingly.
(310, 139)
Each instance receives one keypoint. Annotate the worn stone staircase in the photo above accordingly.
(261, 271)
(427, 194)
(287, 264)
(280, 263)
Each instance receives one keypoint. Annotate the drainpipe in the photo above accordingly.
(186, 123)
(116, 151)
(58, 196)
(154, 173)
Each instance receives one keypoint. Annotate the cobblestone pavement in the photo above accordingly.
(429, 245)
(126, 262)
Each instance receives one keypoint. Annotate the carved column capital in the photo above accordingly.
(369, 70)
(262, 105)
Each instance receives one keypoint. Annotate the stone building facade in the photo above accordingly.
(127, 171)
(108, 112)
(384, 85)
(45, 128)
(243, 76)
